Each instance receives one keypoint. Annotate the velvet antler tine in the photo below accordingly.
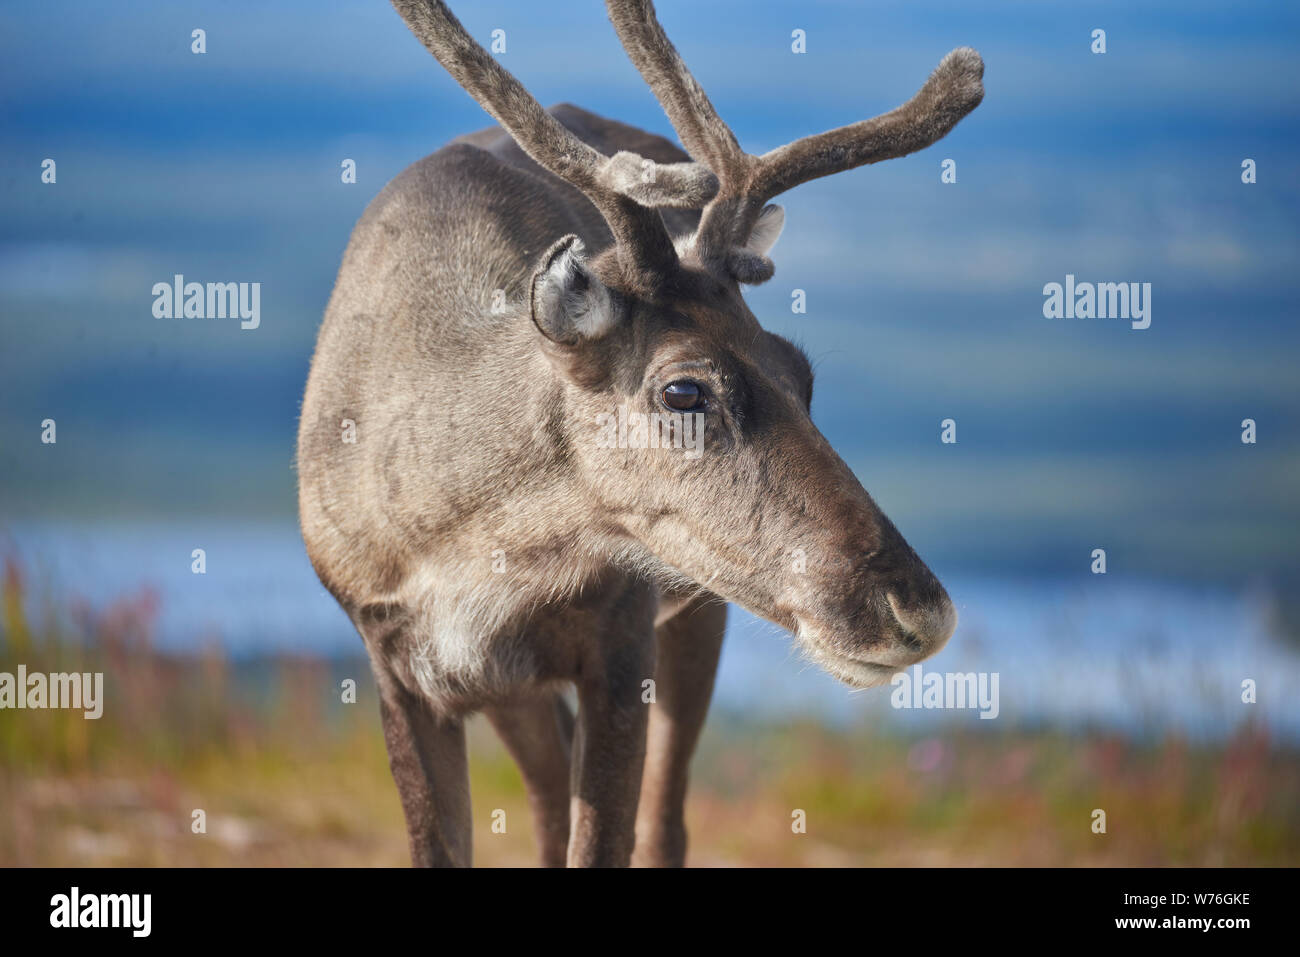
(625, 188)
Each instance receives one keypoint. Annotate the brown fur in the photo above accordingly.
(491, 551)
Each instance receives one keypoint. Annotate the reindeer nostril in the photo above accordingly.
(926, 626)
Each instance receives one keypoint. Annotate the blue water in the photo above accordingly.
(1097, 651)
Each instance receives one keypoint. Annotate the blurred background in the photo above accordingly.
(1120, 691)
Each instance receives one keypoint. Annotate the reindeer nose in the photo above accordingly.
(929, 621)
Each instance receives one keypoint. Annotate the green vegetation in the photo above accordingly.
(288, 774)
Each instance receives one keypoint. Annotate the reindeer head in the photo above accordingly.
(650, 339)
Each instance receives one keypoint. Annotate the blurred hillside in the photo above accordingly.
(289, 775)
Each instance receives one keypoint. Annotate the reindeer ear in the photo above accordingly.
(749, 263)
(568, 303)
(767, 230)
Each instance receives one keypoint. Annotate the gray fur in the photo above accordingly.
(495, 301)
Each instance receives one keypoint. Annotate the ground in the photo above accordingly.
(288, 773)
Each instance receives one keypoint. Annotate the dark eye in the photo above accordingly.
(683, 396)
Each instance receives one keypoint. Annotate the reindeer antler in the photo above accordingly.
(625, 187)
(748, 182)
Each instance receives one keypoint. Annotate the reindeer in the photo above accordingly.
(495, 301)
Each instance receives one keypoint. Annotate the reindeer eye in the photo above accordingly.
(683, 396)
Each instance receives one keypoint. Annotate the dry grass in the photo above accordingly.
(287, 774)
